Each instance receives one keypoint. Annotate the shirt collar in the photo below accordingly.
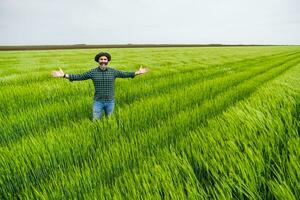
(102, 69)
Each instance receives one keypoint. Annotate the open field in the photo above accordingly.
(205, 123)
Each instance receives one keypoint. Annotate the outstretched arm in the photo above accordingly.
(122, 74)
(71, 77)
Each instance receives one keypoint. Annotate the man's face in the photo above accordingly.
(103, 61)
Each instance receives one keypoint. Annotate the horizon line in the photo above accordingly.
(128, 45)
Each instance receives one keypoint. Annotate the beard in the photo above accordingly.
(103, 66)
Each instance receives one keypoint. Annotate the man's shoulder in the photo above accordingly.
(94, 69)
(112, 70)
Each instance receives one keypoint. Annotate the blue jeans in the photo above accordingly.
(99, 106)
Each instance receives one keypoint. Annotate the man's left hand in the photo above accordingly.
(141, 71)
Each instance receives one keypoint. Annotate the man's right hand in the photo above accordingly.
(58, 74)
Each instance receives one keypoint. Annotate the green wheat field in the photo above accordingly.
(204, 123)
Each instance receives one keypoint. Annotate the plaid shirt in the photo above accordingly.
(104, 81)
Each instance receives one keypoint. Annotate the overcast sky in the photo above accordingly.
(31, 22)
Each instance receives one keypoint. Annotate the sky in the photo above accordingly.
(56, 22)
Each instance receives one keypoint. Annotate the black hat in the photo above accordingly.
(107, 55)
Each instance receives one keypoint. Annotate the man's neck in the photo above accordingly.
(103, 68)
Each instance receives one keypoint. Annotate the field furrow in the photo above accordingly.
(204, 123)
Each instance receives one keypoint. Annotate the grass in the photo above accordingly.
(205, 123)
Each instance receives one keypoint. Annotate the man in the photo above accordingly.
(103, 78)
